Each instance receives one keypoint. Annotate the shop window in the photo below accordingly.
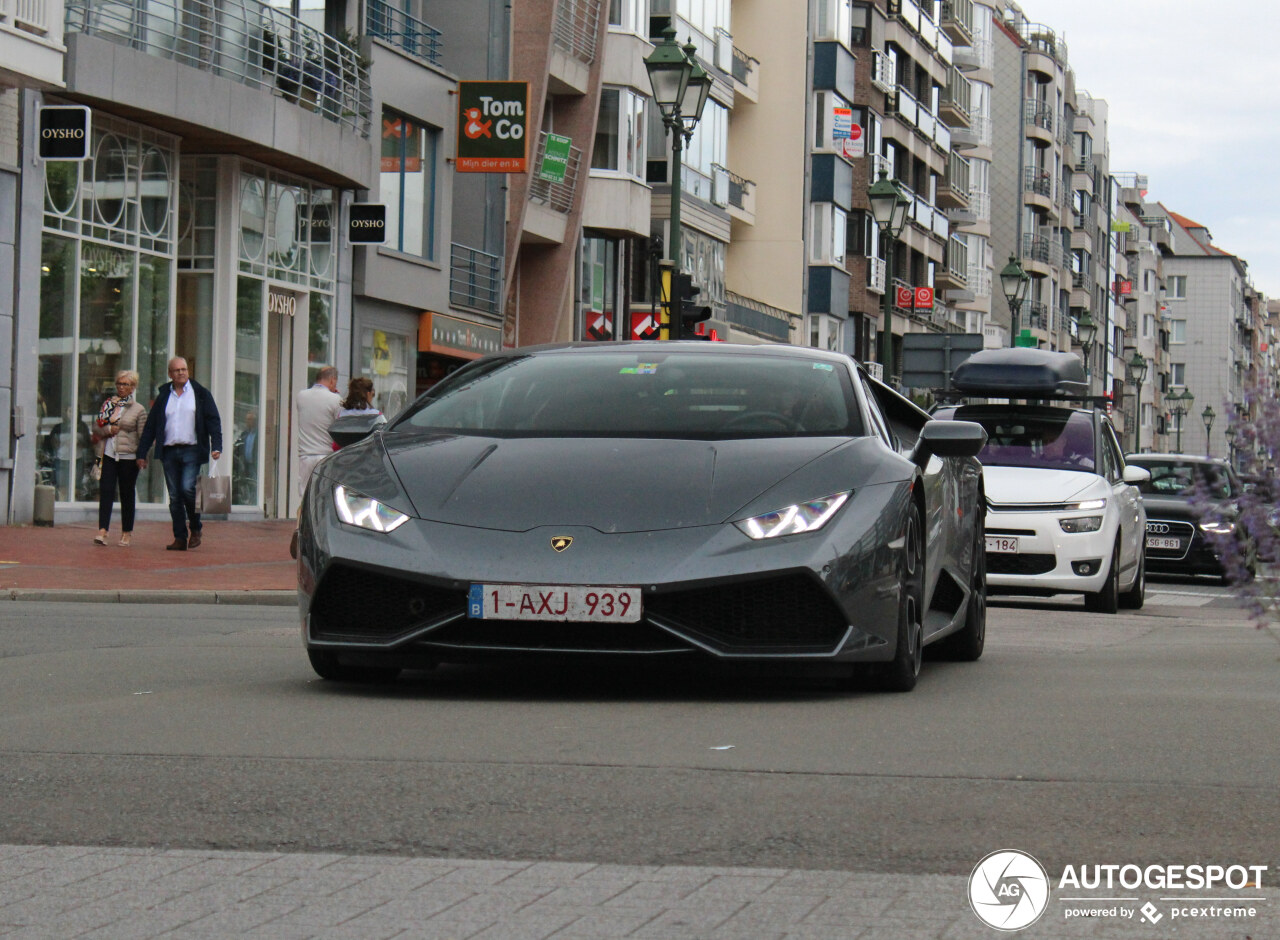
(247, 446)
(408, 184)
(599, 288)
(384, 357)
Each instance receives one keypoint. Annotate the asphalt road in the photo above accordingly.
(1140, 737)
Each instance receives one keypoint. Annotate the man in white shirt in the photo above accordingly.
(316, 407)
(185, 427)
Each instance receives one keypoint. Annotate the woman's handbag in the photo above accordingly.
(95, 472)
(213, 495)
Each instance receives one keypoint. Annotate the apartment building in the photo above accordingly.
(209, 221)
(31, 58)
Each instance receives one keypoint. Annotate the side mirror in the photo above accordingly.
(352, 428)
(948, 439)
(1136, 475)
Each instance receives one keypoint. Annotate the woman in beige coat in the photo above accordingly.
(120, 423)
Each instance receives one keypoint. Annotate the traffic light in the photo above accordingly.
(684, 292)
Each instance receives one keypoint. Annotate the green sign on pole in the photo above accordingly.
(1026, 339)
(555, 159)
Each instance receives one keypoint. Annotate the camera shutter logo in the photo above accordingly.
(1009, 890)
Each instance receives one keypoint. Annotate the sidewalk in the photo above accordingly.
(238, 562)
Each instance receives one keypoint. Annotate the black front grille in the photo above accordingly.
(554, 636)
(1025, 563)
(1184, 532)
(790, 614)
(355, 604)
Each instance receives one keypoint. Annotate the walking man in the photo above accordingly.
(317, 408)
(187, 431)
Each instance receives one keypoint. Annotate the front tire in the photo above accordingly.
(329, 667)
(1107, 601)
(1136, 596)
(901, 672)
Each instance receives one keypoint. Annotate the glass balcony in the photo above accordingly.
(243, 40)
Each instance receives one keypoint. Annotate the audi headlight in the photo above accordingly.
(1081, 524)
(792, 520)
(1217, 526)
(365, 511)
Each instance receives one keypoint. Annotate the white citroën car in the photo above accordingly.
(1064, 515)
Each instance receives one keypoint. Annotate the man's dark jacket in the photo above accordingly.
(208, 424)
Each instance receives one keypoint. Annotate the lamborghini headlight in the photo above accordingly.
(792, 520)
(365, 511)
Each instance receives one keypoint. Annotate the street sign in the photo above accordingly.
(64, 132)
(924, 298)
(491, 127)
(904, 297)
(599, 325)
(367, 223)
(555, 158)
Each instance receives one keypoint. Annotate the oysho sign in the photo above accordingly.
(367, 223)
(492, 125)
(283, 302)
(64, 132)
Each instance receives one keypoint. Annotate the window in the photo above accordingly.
(823, 118)
(630, 16)
(1177, 331)
(825, 332)
(619, 144)
(1178, 374)
(833, 21)
(1148, 412)
(408, 184)
(860, 33)
(1177, 284)
(828, 235)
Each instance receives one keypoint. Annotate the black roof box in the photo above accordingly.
(1021, 372)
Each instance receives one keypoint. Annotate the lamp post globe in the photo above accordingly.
(1015, 282)
(1207, 417)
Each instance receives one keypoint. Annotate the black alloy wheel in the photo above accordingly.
(901, 672)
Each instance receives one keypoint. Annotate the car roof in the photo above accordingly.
(1038, 409)
(1177, 458)
(681, 347)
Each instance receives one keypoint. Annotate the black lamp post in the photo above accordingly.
(1179, 405)
(1207, 417)
(889, 206)
(680, 87)
(1135, 373)
(1087, 334)
(1015, 283)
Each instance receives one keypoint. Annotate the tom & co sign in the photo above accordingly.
(367, 223)
(492, 124)
(64, 132)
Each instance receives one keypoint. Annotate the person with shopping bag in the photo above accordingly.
(185, 427)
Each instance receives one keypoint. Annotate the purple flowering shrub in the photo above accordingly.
(1250, 550)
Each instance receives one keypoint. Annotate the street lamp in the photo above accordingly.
(1015, 282)
(1179, 405)
(1087, 334)
(680, 88)
(1207, 417)
(889, 206)
(1135, 373)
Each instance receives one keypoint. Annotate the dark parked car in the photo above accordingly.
(750, 503)
(1187, 497)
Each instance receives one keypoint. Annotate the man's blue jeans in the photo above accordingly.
(181, 467)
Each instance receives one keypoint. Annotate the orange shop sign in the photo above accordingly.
(452, 336)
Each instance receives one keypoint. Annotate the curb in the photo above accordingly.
(242, 598)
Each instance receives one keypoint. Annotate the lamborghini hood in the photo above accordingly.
(613, 484)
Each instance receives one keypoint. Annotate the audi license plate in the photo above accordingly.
(1002, 544)
(554, 602)
(1154, 541)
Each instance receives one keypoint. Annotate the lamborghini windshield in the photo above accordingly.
(625, 393)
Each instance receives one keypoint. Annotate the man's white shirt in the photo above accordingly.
(317, 408)
(180, 417)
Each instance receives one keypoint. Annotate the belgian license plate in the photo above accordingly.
(1154, 541)
(554, 602)
(1002, 544)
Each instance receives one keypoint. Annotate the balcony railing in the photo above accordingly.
(557, 196)
(957, 19)
(1082, 280)
(1038, 181)
(407, 33)
(745, 68)
(576, 28)
(475, 279)
(30, 16)
(875, 275)
(742, 192)
(1045, 40)
(958, 94)
(243, 40)
(1039, 114)
(1036, 316)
